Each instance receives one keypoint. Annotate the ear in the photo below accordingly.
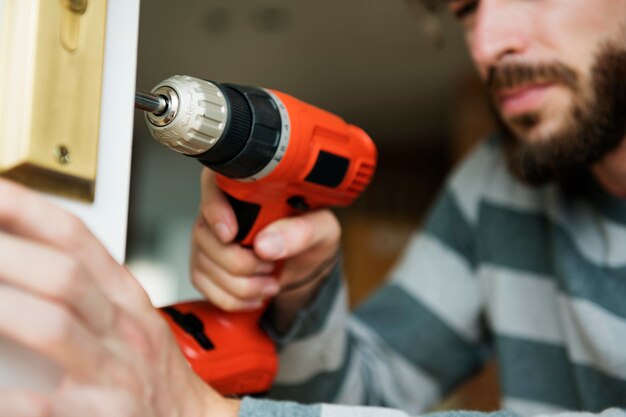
(73, 147)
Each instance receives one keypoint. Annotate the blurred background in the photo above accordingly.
(401, 74)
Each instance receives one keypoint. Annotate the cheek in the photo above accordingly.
(574, 30)
(469, 39)
(559, 106)
(481, 68)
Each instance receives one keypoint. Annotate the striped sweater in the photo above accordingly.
(533, 276)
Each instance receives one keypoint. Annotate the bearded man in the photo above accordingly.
(523, 258)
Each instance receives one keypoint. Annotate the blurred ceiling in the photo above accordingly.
(370, 61)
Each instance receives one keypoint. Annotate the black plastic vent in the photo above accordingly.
(329, 170)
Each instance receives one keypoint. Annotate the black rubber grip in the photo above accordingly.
(246, 214)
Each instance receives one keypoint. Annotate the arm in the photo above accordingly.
(351, 390)
(416, 339)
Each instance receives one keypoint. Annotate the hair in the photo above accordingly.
(430, 5)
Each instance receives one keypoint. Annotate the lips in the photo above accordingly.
(522, 99)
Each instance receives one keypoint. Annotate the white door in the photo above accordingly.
(106, 215)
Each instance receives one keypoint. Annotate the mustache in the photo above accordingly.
(516, 75)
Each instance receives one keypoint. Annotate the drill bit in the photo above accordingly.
(155, 104)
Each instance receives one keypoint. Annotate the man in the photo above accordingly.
(523, 256)
(534, 274)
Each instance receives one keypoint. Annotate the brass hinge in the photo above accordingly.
(51, 68)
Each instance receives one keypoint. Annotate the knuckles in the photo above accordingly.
(197, 277)
(209, 214)
(334, 227)
(241, 265)
(230, 305)
(59, 328)
(235, 294)
(71, 232)
(248, 288)
(11, 202)
(69, 282)
(17, 204)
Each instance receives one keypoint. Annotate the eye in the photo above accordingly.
(462, 9)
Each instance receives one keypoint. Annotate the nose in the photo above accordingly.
(498, 30)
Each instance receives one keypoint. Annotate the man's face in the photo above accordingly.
(554, 69)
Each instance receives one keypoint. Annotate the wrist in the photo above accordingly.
(297, 296)
(218, 406)
(210, 403)
(311, 281)
(229, 408)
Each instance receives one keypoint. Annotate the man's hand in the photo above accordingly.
(61, 294)
(234, 278)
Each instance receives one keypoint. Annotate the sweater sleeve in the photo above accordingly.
(264, 408)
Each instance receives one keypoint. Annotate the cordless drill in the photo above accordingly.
(274, 156)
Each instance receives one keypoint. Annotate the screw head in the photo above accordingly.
(62, 154)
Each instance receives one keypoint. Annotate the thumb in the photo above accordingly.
(289, 237)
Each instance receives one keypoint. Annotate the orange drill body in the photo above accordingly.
(321, 161)
(239, 358)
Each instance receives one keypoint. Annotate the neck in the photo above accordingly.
(610, 171)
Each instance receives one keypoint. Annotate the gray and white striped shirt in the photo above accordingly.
(534, 276)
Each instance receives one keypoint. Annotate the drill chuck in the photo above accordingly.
(235, 130)
(193, 118)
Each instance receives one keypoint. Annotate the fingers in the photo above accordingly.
(55, 276)
(235, 278)
(228, 292)
(28, 215)
(292, 236)
(232, 257)
(223, 299)
(23, 404)
(51, 330)
(215, 208)
(25, 213)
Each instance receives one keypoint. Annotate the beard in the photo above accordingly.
(592, 127)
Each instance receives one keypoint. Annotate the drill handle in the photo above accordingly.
(253, 217)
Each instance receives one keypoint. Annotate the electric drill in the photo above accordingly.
(274, 156)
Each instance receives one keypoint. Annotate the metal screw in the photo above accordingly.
(62, 154)
(76, 6)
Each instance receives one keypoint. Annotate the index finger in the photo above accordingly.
(217, 212)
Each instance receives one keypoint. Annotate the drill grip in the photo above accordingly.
(253, 217)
